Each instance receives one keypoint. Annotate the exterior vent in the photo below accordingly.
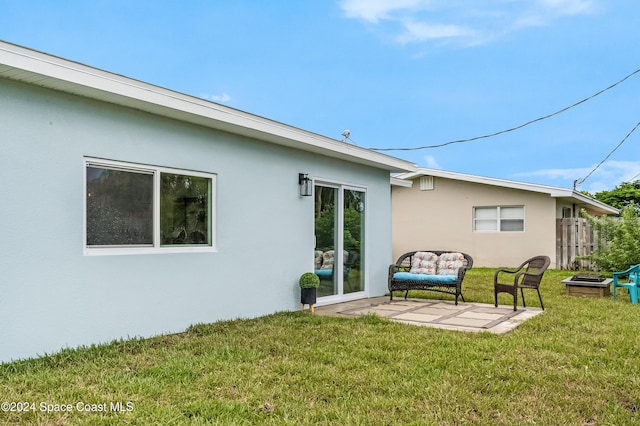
(426, 183)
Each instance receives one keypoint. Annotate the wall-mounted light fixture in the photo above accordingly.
(305, 184)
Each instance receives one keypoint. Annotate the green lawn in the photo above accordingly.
(577, 364)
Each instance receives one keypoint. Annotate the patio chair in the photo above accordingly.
(631, 283)
(527, 275)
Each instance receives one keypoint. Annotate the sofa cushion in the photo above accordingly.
(449, 263)
(425, 277)
(328, 259)
(318, 259)
(424, 262)
(323, 273)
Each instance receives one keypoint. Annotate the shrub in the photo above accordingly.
(619, 240)
(309, 280)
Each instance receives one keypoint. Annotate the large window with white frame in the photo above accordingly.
(498, 219)
(133, 208)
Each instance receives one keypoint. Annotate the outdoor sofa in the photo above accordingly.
(434, 270)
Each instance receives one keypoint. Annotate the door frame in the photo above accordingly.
(364, 249)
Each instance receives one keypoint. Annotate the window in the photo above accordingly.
(132, 208)
(498, 219)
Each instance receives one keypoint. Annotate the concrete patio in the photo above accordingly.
(473, 317)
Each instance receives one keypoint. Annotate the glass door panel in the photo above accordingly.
(339, 235)
(353, 241)
(326, 219)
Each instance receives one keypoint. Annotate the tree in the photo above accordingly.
(622, 195)
(618, 239)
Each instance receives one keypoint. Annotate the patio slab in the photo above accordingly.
(472, 317)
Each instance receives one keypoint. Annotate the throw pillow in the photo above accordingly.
(449, 263)
(424, 262)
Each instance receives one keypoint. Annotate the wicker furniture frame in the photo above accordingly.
(404, 264)
(527, 275)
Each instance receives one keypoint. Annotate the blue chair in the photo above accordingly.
(631, 284)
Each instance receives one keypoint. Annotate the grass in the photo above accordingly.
(577, 364)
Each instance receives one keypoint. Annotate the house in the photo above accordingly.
(498, 222)
(133, 210)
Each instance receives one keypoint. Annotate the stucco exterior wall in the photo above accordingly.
(442, 219)
(54, 296)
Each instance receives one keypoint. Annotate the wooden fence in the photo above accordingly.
(574, 238)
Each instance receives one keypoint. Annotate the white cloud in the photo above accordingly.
(544, 12)
(224, 98)
(430, 162)
(569, 7)
(422, 31)
(464, 22)
(376, 10)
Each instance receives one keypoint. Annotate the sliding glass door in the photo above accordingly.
(339, 232)
(352, 240)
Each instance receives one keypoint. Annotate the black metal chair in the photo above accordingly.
(528, 275)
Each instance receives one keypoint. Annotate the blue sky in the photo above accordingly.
(396, 73)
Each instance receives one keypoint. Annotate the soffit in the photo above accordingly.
(51, 72)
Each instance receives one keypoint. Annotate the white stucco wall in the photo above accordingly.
(442, 219)
(53, 296)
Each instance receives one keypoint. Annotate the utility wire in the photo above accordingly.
(581, 181)
(513, 128)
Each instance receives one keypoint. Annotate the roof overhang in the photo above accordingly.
(401, 182)
(37, 68)
(567, 195)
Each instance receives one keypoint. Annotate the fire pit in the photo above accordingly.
(587, 285)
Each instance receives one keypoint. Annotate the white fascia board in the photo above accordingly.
(49, 71)
(477, 179)
(597, 205)
(401, 182)
(553, 191)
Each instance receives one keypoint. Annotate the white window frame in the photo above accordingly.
(498, 218)
(156, 247)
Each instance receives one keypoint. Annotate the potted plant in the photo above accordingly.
(309, 283)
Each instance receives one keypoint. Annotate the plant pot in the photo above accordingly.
(308, 296)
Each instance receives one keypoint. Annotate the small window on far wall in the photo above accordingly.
(498, 219)
(135, 208)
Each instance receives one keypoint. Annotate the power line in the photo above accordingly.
(513, 128)
(581, 181)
